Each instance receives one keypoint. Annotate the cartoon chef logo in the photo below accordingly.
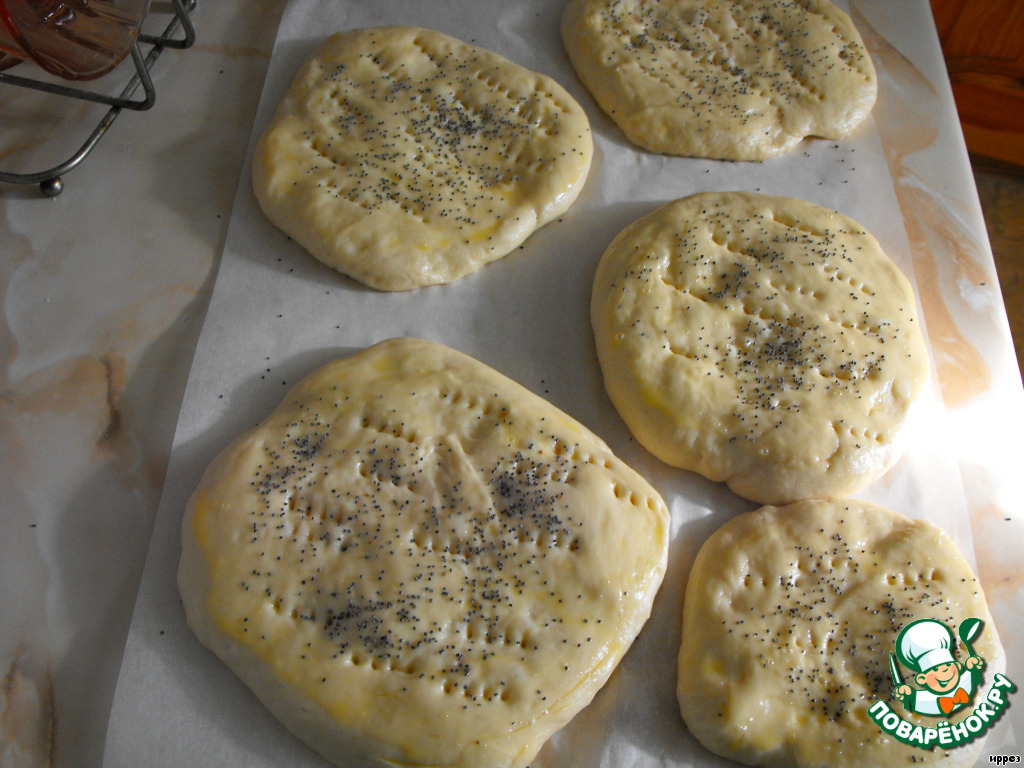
(940, 687)
(944, 684)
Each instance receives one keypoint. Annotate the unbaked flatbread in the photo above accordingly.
(789, 618)
(762, 341)
(415, 561)
(403, 157)
(724, 79)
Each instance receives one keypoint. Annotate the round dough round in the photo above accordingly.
(789, 618)
(762, 341)
(724, 79)
(415, 561)
(403, 157)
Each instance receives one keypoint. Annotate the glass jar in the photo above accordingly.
(73, 39)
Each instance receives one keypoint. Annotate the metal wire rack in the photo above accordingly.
(179, 33)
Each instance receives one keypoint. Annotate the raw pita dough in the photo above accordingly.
(403, 157)
(416, 561)
(724, 79)
(762, 341)
(789, 618)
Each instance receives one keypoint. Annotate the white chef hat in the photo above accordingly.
(924, 644)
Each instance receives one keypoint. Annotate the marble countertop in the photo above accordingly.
(105, 289)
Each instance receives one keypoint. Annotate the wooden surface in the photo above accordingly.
(983, 44)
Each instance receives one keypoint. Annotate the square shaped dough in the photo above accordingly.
(415, 561)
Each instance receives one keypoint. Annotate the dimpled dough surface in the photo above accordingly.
(789, 617)
(762, 341)
(403, 157)
(415, 561)
(741, 80)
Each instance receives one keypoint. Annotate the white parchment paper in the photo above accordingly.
(277, 314)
